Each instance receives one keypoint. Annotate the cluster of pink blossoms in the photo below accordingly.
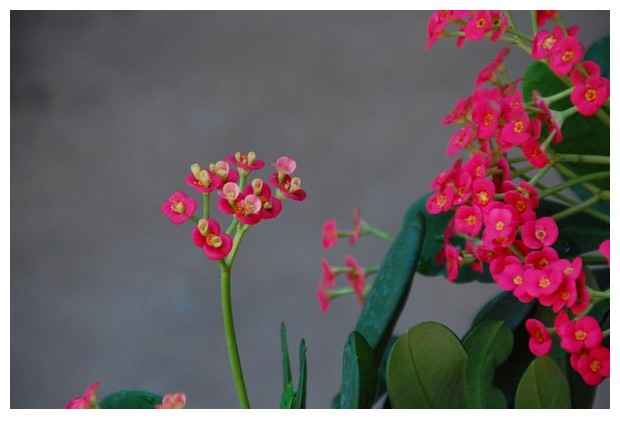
(88, 400)
(357, 276)
(494, 213)
(247, 204)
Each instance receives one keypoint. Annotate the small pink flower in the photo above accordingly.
(591, 69)
(591, 95)
(540, 233)
(463, 185)
(476, 166)
(604, 249)
(511, 275)
(542, 16)
(540, 339)
(442, 179)
(453, 259)
(460, 110)
(548, 116)
(204, 181)
(594, 366)
(356, 277)
(285, 165)
(564, 55)
(330, 233)
(328, 277)
(178, 207)
(484, 192)
(545, 41)
(357, 226)
(172, 401)
(516, 132)
(565, 296)
(322, 296)
(498, 25)
(270, 205)
(583, 296)
(222, 169)
(478, 25)
(468, 220)
(207, 236)
(486, 117)
(542, 282)
(440, 201)
(87, 400)
(289, 186)
(583, 333)
(498, 223)
(247, 162)
(460, 140)
(436, 24)
(534, 154)
(488, 73)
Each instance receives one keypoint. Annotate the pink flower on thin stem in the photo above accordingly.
(540, 339)
(178, 207)
(289, 186)
(565, 54)
(87, 400)
(486, 117)
(330, 233)
(222, 169)
(478, 25)
(488, 72)
(584, 333)
(247, 162)
(577, 77)
(356, 277)
(591, 95)
(453, 260)
(328, 276)
(172, 401)
(545, 41)
(542, 16)
(460, 140)
(204, 181)
(322, 296)
(440, 201)
(468, 220)
(207, 236)
(357, 226)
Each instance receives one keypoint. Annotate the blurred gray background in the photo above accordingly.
(109, 109)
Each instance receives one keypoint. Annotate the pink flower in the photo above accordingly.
(591, 95)
(539, 233)
(499, 227)
(172, 401)
(498, 25)
(356, 277)
(440, 201)
(604, 249)
(436, 24)
(540, 339)
(289, 186)
(591, 69)
(489, 71)
(468, 220)
(584, 333)
(357, 226)
(87, 400)
(204, 181)
(583, 296)
(460, 110)
(285, 165)
(462, 184)
(328, 277)
(208, 237)
(476, 166)
(543, 16)
(594, 366)
(270, 205)
(478, 25)
(511, 275)
(516, 132)
(442, 179)
(534, 154)
(330, 233)
(565, 296)
(545, 41)
(453, 259)
(486, 117)
(178, 207)
(548, 116)
(484, 192)
(245, 162)
(564, 55)
(460, 140)
(322, 296)
(222, 169)
(542, 282)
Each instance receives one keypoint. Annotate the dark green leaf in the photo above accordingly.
(382, 369)
(131, 399)
(391, 286)
(286, 365)
(359, 375)
(543, 386)
(426, 369)
(487, 346)
(300, 396)
(602, 278)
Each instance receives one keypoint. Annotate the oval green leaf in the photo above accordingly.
(543, 386)
(131, 399)
(487, 347)
(426, 369)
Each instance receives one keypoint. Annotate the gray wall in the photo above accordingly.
(109, 109)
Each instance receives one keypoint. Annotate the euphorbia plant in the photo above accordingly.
(495, 215)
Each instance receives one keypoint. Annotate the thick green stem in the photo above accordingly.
(576, 209)
(368, 229)
(594, 213)
(569, 173)
(231, 338)
(235, 246)
(603, 116)
(540, 175)
(205, 206)
(560, 95)
(581, 158)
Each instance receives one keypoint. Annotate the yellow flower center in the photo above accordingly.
(544, 282)
(580, 335)
(590, 94)
(567, 56)
(517, 280)
(179, 207)
(214, 241)
(499, 226)
(595, 366)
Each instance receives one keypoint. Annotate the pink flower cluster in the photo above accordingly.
(494, 218)
(246, 204)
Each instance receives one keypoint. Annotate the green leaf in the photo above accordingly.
(288, 397)
(543, 386)
(300, 395)
(286, 363)
(359, 375)
(426, 369)
(391, 286)
(487, 346)
(382, 369)
(131, 399)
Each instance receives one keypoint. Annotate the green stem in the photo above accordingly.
(241, 230)
(594, 260)
(578, 180)
(368, 229)
(232, 226)
(606, 332)
(516, 159)
(231, 338)
(576, 209)
(243, 175)
(560, 95)
(519, 34)
(206, 198)
(511, 22)
(534, 22)
(194, 219)
(603, 116)
(540, 175)
(598, 295)
(594, 213)
(569, 173)
(581, 158)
